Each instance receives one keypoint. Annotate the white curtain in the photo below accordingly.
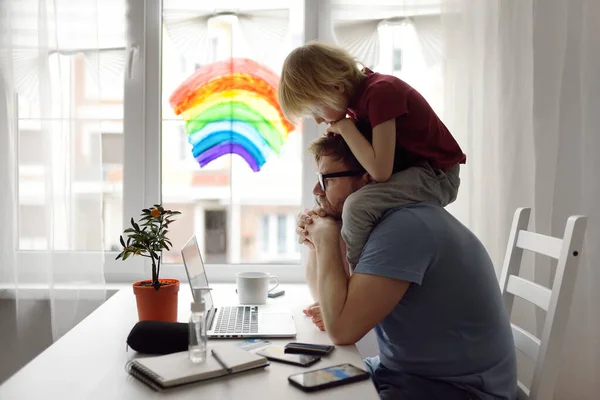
(522, 88)
(522, 96)
(265, 30)
(356, 27)
(57, 58)
(360, 38)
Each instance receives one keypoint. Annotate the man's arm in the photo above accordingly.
(351, 307)
(311, 274)
(311, 269)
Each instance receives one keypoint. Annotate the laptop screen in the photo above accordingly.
(194, 267)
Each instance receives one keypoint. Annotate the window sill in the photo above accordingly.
(119, 275)
(35, 291)
(84, 267)
(217, 273)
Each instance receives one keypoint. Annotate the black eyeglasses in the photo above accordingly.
(322, 177)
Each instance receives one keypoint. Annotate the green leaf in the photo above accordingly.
(175, 213)
(121, 240)
(146, 211)
(119, 256)
(126, 256)
(129, 230)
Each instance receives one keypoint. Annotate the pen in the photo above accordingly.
(229, 370)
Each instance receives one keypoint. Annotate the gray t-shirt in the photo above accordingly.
(451, 324)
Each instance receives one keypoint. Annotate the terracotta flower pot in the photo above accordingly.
(157, 305)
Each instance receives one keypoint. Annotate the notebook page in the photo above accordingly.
(176, 368)
(238, 359)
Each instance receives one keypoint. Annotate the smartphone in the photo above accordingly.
(329, 377)
(276, 353)
(278, 293)
(308, 348)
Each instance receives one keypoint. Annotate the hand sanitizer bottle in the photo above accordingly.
(197, 330)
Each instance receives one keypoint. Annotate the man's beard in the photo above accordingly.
(329, 210)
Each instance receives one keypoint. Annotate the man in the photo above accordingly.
(423, 281)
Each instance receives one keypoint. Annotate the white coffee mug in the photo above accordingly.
(253, 287)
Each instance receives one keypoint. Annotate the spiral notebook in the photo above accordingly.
(173, 370)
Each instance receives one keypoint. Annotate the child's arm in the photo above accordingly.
(377, 159)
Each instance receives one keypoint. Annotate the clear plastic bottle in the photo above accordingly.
(197, 332)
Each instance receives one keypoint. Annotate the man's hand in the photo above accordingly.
(340, 127)
(323, 231)
(314, 311)
(305, 218)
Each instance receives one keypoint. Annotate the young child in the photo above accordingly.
(412, 155)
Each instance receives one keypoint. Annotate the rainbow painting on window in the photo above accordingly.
(231, 107)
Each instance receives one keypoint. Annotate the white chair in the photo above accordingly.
(545, 352)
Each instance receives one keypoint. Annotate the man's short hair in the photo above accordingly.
(335, 146)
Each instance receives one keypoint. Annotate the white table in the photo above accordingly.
(89, 361)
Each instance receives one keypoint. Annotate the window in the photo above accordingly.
(215, 233)
(120, 143)
(264, 228)
(282, 233)
(31, 153)
(112, 150)
(184, 145)
(222, 165)
(32, 227)
(402, 54)
(397, 60)
(112, 176)
(84, 130)
(278, 239)
(145, 146)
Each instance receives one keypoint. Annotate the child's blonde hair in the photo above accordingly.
(309, 74)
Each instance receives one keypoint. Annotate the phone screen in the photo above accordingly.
(327, 375)
(277, 353)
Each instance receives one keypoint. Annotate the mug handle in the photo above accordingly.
(276, 282)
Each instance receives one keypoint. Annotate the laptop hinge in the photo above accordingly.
(210, 318)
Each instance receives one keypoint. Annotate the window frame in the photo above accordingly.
(142, 123)
(143, 162)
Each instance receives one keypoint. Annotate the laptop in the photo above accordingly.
(234, 321)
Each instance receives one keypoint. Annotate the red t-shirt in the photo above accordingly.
(420, 134)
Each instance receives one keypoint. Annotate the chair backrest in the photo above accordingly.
(547, 350)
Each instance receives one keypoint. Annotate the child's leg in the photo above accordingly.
(449, 183)
(363, 209)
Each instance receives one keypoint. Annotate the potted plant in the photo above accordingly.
(156, 298)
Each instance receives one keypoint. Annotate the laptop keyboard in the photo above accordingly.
(237, 319)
